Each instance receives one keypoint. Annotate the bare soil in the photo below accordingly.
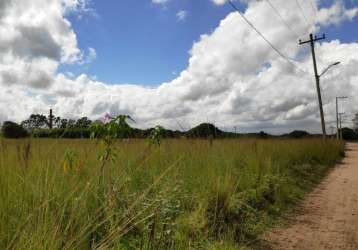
(328, 217)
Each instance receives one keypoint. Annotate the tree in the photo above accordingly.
(83, 122)
(355, 123)
(298, 134)
(67, 123)
(349, 134)
(13, 130)
(71, 123)
(205, 130)
(35, 121)
(57, 122)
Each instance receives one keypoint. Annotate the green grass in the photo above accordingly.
(185, 194)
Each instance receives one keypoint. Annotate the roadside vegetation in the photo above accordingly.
(41, 126)
(109, 193)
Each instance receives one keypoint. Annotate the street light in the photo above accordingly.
(318, 77)
(330, 66)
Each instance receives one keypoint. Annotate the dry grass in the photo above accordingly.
(185, 194)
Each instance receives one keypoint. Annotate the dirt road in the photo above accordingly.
(328, 217)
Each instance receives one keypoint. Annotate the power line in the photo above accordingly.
(301, 10)
(282, 18)
(263, 37)
(314, 10)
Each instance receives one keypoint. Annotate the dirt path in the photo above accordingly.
(328, 218)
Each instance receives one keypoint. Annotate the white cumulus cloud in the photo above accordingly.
(335, 14)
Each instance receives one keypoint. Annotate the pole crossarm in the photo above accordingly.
(315, 39)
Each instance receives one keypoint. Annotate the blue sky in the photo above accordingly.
(346, 31)
(143, 43)
(146, 43)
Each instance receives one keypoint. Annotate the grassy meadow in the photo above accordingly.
(183, 194)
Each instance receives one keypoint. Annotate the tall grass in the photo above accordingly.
(185, 194)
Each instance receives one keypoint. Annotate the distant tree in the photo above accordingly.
(71, 123)
(349, 134)
(83, 122)
(35, 121)
(62, 123)
(298, 134)
(38, 121)
(355, 123)
(66, 123)
(57, 122)
(205, 130)
(13, 130)
(263, 135)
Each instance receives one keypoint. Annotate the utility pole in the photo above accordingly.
(340, 125)
(51, 119)
(332, 130)
(337, 112)
(337, 117)
(317, 77)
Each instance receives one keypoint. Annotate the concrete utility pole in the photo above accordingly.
(337, 113)
(312, 41)
(340, 125)
(332, 130)
(51, 120)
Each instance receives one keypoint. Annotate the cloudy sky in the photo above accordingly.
(177, 62)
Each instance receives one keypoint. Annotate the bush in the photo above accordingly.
(349, 134)
(298, 134)
(13, 130)
(205, 130)
(62, 133)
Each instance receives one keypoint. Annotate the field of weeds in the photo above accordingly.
(181, 194)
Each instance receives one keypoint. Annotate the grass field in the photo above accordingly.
(185, 194)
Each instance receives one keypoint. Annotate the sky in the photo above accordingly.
(178, 63)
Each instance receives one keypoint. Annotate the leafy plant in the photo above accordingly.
(156, 135)
(107, 133)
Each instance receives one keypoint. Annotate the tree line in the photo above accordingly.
(39, 121)
(42, 126)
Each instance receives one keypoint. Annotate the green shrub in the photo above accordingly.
(71, 133)
(349, 134)
(13, 130)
